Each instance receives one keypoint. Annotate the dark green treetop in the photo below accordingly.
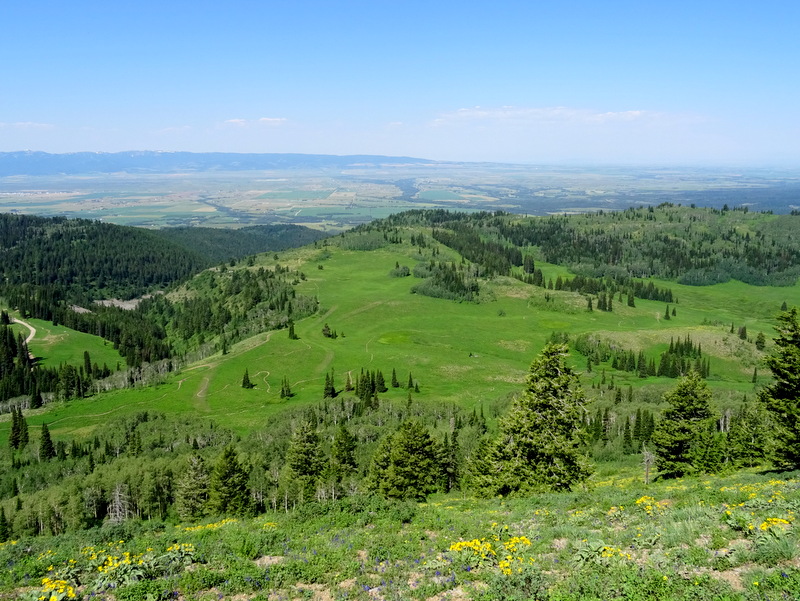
(782, 397)
(543, 444)
(681, 436)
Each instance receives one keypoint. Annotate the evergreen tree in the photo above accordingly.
(46, 449)
(761, 341)
(246, 383)
(343, 453)
(405, 465)
(680, 440)
(228, 491)
(380, 383)
(13, 437)
(191, 489)
(5, 531)
(286, 390)
(449, 462)
(748, 440)
(395, 383)
(329, 389)
(304, 456)
(782, 397)
(542, 443)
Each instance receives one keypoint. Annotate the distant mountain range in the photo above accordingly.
(43, 163)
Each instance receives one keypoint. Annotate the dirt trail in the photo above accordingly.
(27, 325)
(31, 334)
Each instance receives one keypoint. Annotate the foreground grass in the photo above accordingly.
(730, 537)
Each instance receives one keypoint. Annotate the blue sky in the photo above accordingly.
(533, 82)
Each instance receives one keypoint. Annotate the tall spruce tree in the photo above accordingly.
(5, 531)
(228, 491)
(543, 444)
(13, 437)
(191, 490)
(405, 464)
(343, 453)
(304, 456)
(680, 439)
(46, 449)
(782, 398)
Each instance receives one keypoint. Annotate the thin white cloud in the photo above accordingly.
(272, 120)
(236, 122)
(26, 125)
(533, 115)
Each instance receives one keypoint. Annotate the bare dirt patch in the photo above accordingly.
(515, 345)
(268, 560)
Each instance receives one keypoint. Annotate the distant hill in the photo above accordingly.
(217, 245)
(43, 163)
(87, 259)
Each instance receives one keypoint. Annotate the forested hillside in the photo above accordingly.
(428, 355)
(86, 260)
(217, 245)
(697, 246)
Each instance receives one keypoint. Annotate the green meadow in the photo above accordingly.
(475, 355)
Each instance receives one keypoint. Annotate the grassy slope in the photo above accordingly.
(54, 345)
(386, 327)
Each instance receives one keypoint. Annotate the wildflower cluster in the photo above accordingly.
(507, 554)
(773, 522)
(55, 590)
(212, 526)
(651, 506)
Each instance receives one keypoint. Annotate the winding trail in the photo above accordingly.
(264, 371)
(27, 325)
(31, 334)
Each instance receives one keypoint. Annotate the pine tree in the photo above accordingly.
(542, 443)
(228, 491)
(405, 465)
(748, 441)
(304, 456)
(343, 453)
(286, 390)
(782, 398)
(46, 449)
(449, 462)
(395, 383)
(761, 341)
(380, 383)
(5, 531)
(191, 489)
(246, 383)
(410, 381)
(13, 438)
(678, 439)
